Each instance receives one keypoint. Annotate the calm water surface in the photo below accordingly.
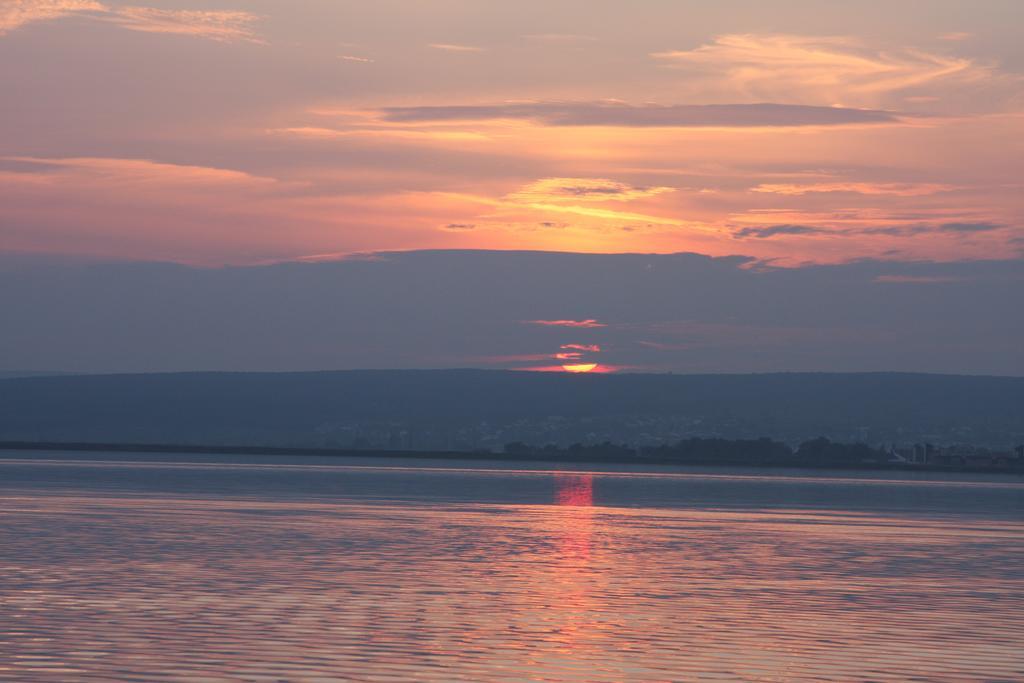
(137, 568)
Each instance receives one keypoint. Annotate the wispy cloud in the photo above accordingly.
(576, 352)
(583, 189)
(646, 115)
(776, 230)
(894, 189)
(592, 348)
(354, 58)
(831, 70)
(908, 229)
(417, 134)
(17, 13)
(453, 47)
(219, 25)
(129, 172)
(225, 26)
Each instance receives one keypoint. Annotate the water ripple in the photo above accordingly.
(101, 587)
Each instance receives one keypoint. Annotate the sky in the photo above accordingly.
(793, 136)
(514, 310)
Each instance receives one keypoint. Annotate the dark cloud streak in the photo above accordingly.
(775, 230)
(969, 227)
(769, 231)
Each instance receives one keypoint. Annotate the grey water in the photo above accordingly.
(142, 567)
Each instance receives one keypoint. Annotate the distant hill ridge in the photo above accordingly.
(341, 406)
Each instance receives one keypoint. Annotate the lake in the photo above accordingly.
(135, 567)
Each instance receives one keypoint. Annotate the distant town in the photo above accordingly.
(647, 433)
(809, 419)
(819, 452)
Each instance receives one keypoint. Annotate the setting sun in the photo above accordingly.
(580, 367)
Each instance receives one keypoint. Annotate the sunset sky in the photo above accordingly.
(794, 134)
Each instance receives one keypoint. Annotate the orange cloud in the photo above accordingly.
(531, 207)
(17, 13)
(220, 25)
(606, 188)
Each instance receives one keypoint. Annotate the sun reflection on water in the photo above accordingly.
(103, 587)
(571, 582)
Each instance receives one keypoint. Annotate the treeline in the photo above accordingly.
(764, 451)
(819, 453)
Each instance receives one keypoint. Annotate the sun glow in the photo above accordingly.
(580, 367)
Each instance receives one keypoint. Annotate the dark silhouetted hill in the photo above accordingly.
(467, 409)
